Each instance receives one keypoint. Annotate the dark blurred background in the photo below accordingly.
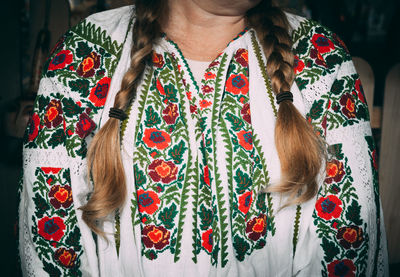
(370, 28)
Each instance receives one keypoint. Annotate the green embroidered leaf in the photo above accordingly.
(70, 107)
(152, 118)
(171, 93)
(316, 109)
(241, 247)
(206, 217)
(302, 47)
(41, 205)
(51, 269)
(140, 177)
(337, 87)
(42, 102)
(167, 216)
(83, 49)
(353, 213)
(80, 85)
(301, 83)
(330, 249)
(177, 152)
(57, 138)
(336, 151)
(237, 123)
(243, 181)
(73, 239)
(333, 60)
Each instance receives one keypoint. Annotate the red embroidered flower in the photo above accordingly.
(242, 57)
(48, 170)
(349, 107)
(88, 66)
(204, 104)
(245, 112)
(193, 109)
(237, 84)
(160, 88)
(98, 94)
(206, 176)
(53, 116)
(51, 228)
(350, 236)
(156, 138)
(189, 95)
(360, 91)
(322, 43)
(62, 59)
(209, 75)
(257, 227)
(214, 63)
(245, 139)
(33, 127)
(155, 236)
(60, 196)
(329, 207)
(148, 201)
(334, 171)
(170, 113)
(342, 268)
(319, 60)
(162, 170)
(84, 126)
(158, 60)
(65, 257)
(206, 89)
(207, 240)
(298, 65)
(245, 201)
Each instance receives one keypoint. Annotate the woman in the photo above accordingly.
(184, 179)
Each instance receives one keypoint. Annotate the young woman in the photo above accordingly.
(200, 138)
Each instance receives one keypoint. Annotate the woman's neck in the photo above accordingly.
(201, 34)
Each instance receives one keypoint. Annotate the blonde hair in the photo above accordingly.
(299, 149)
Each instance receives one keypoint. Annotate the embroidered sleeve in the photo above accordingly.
(347, 214)
(68, 107)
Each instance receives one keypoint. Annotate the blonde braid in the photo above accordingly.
(104, 157)
(299, 149)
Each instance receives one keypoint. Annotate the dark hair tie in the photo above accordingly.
(283, 96)
(117, 113)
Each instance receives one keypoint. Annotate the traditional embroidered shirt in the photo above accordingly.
(197, 155)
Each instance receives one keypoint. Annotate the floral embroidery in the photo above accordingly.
(66, 257)
(33, 127)
(242, 57)
(342, 268)
(245, 201)
(155, 138)
(170, 113)
(51, 228)
(85, 125)
(322, 43)
(298, 65)
(98, 94)
(350, 236)
(89, 65)
(155, 236)
(257, 227)
(148, 201)
(237, 84)
(245, 112)
(348, 104)
(158, 60)
(61, 60)
(164, 171)
(329, 207)
(60, 196)
(207, 240)
(245, 140)
(334, 171)
(208, 76)
(53, 116)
